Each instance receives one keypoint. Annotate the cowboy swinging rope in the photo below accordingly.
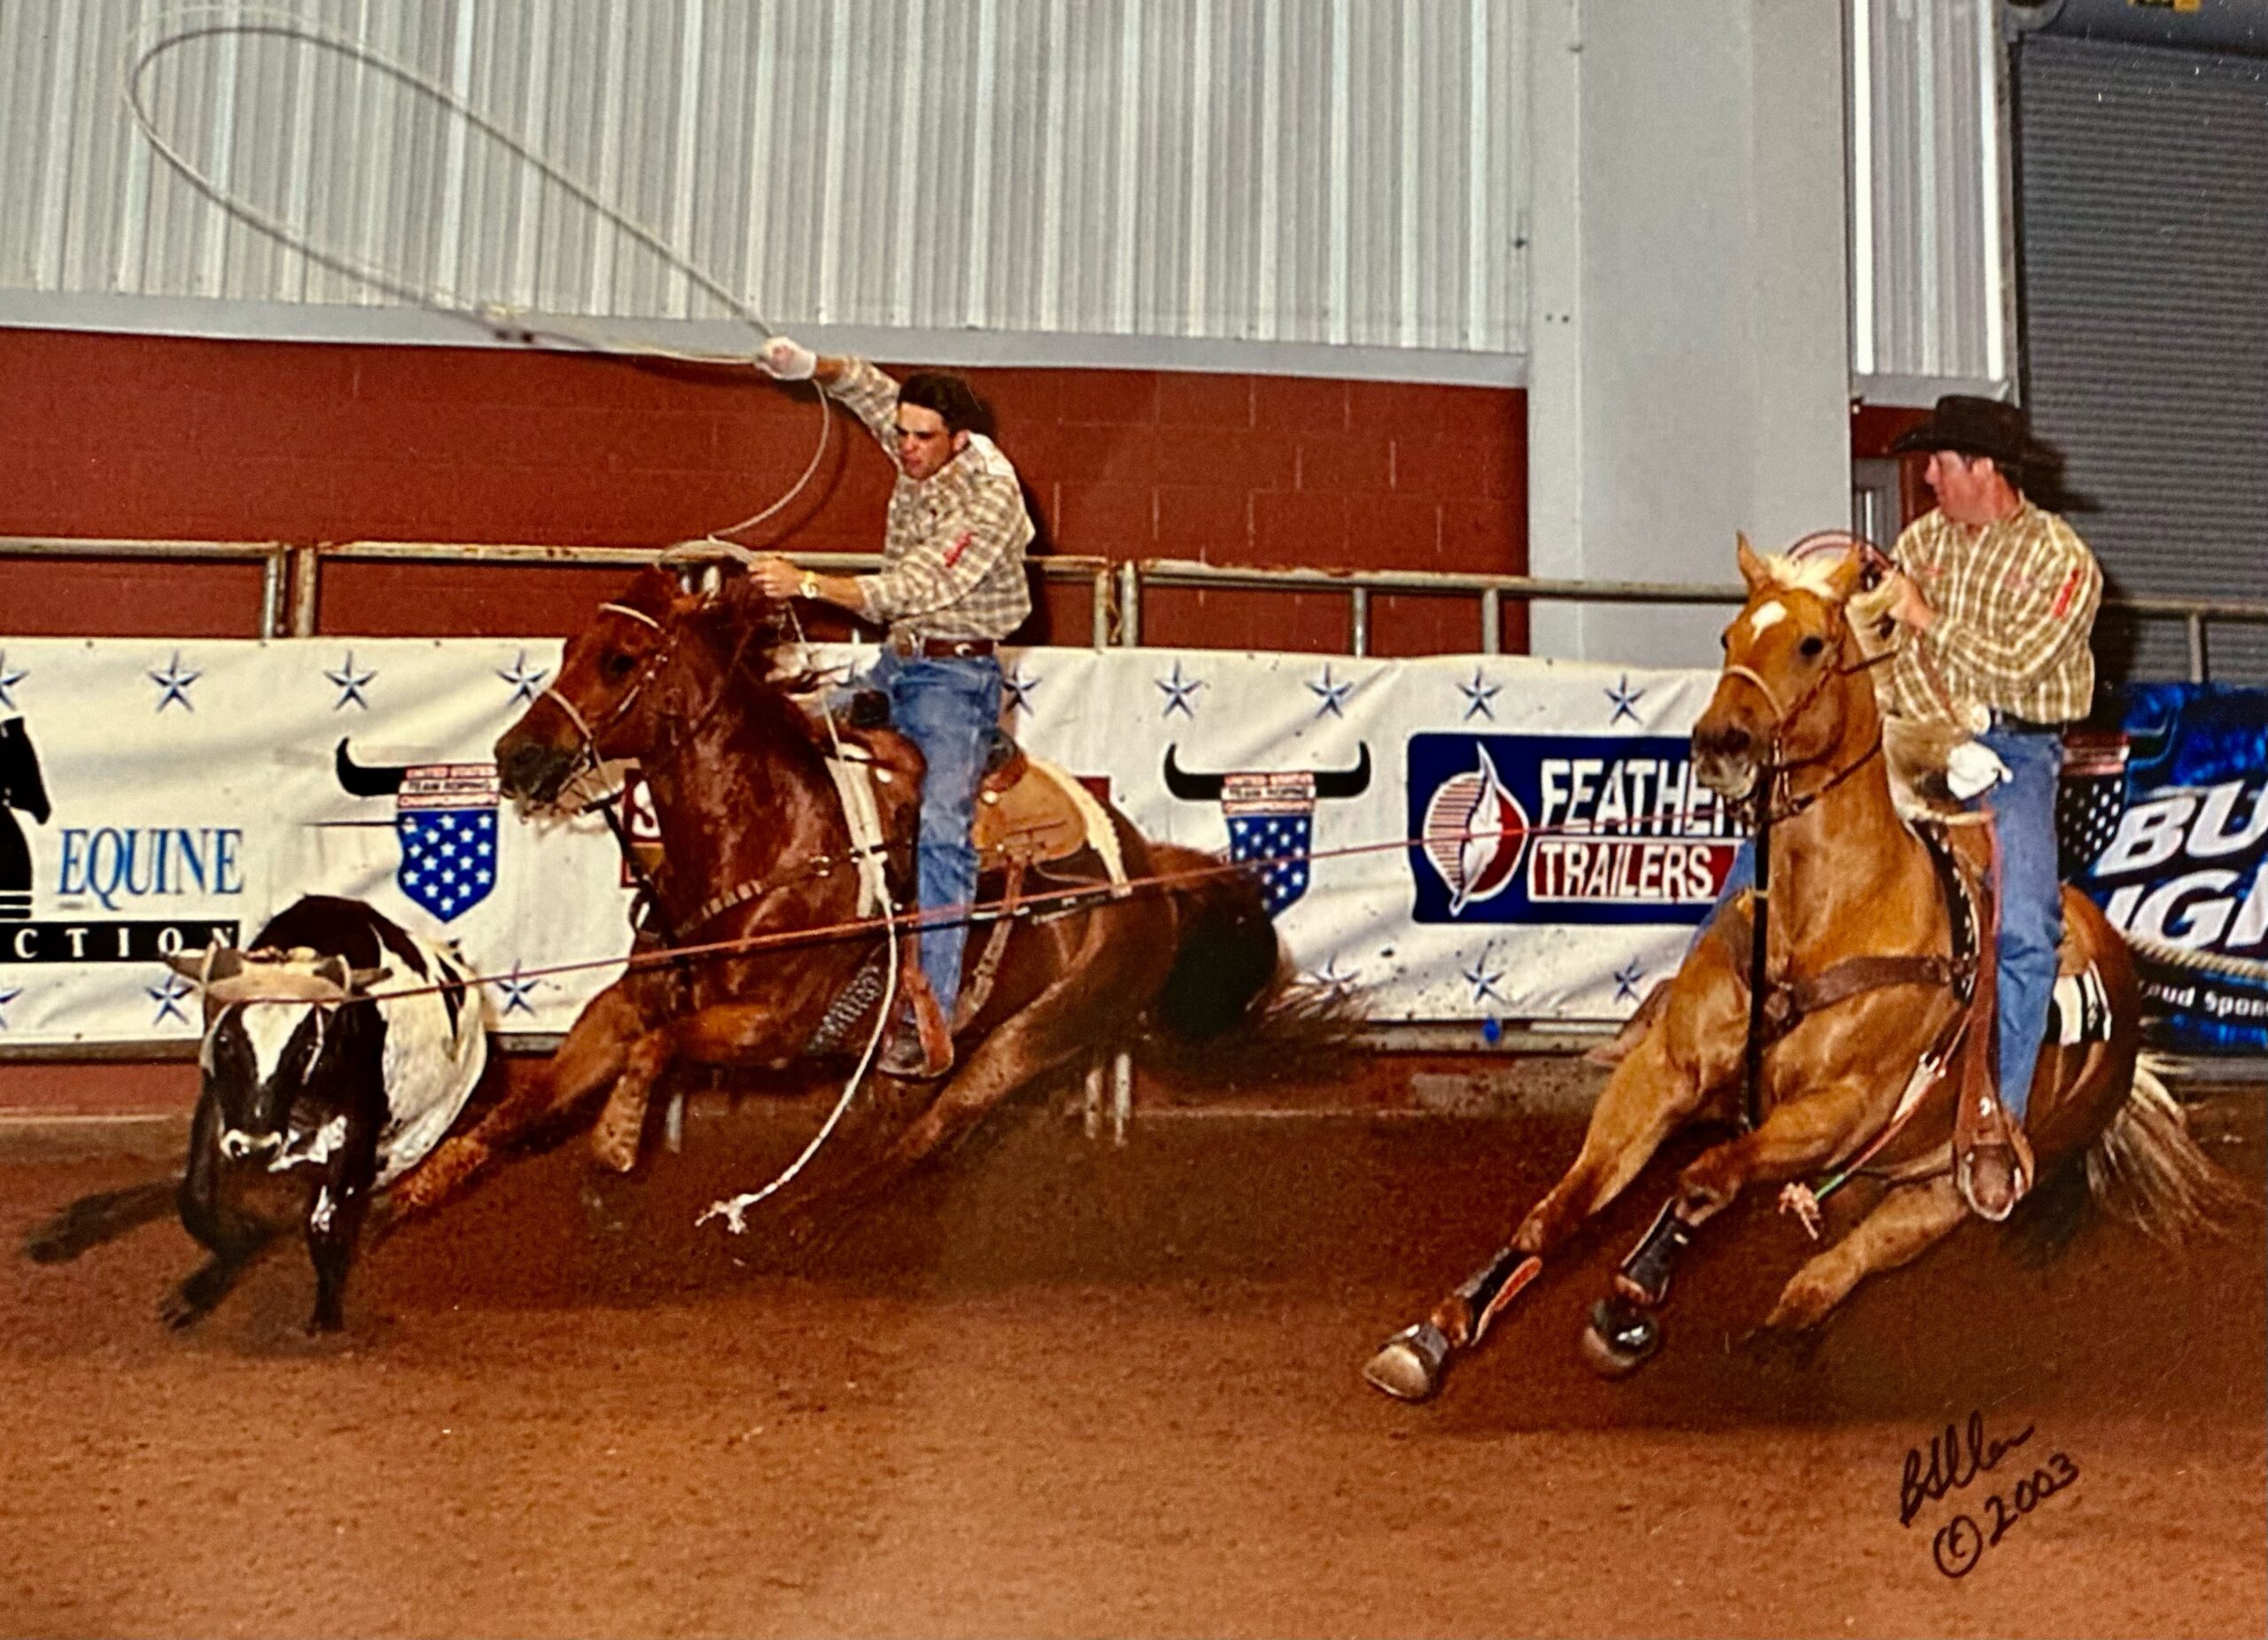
(170, 32)
(152, 41)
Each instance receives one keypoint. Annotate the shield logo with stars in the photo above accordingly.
(446, 816)
(1271, 818)
(1270, 815)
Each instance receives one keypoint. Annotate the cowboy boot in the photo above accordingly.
(921, 1044)
(1617, 1048)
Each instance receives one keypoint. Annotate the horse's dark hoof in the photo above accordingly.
(1409, 1366)
(180, 1312)
(1620, 1339)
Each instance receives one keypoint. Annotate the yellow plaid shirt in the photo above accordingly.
(2015, 602)
(953, 556)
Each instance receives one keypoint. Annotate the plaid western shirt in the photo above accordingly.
(953, 557)
(2015, 601)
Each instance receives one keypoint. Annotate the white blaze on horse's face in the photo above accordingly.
(1774, 651)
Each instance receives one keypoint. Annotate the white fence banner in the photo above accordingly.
(1469, 838)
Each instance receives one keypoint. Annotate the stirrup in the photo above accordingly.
(919, 1046)
(2003, 1145)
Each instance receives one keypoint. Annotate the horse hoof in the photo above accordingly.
(1620, 1339)
(1407, 1367)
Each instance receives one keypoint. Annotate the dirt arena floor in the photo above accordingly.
(1065, 1389)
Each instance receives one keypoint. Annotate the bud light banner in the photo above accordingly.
(2164, 821)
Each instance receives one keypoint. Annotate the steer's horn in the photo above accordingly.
(379, 781)
(367, 979)
(1189, 788)
(1346, 783)
(202, 968)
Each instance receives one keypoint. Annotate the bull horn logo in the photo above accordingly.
(445, 814)
(361, 781)
(1270, 814)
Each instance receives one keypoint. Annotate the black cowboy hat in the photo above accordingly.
(1973, 426)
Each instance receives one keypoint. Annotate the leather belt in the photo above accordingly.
(2015, 725)
(907, 647)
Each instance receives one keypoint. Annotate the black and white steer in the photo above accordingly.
(317, 1095)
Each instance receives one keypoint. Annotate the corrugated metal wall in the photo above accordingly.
(1268, 170)
(1928, 243)
(2146, 286)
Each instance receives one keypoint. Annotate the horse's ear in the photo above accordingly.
(1844, 579)
(1752, 565)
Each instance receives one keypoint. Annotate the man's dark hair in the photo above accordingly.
(953, 400)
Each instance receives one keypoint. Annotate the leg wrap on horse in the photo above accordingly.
(1486, 1292)
(1644, 1276)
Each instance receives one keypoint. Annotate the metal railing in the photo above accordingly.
(1358, 586)
(292, 583)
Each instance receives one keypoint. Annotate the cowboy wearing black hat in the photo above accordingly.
(1996, 598)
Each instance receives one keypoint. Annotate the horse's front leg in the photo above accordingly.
(1665, 1082)
(761, 1034)
(1800, 1136)
(591, 1057)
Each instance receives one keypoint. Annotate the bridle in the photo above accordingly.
(586, 755)
(1771, 771)
(588, 758)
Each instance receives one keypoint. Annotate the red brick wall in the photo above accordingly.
(136, 436)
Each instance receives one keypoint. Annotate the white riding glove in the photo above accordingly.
(1970, 768)
(786, 360)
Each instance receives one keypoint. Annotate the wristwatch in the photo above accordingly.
(808, 587)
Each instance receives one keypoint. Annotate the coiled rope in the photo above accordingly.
(154, 39)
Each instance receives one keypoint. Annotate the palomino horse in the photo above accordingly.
(1871, 950)
(691, 684)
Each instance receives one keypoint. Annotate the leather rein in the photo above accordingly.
(1775, 1010)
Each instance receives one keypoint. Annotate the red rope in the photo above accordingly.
(984, 910)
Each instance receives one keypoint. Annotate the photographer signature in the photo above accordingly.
(1954, 1460)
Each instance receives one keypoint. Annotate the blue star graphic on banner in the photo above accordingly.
(8, 681)
(168, 996)
(1625, 982)
(448, 858)
(1483, 979)
(349, 684)
(524, 683)
(1177, 692)
(1019, 687)
(514, 991)
(173, 684)
(1333, 696)
(1281, 841)
(6, 997)
(1626, 701)
(1478, 695)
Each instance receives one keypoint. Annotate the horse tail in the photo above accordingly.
(92, 1220)
(2146, 1167)
(1232, 1010)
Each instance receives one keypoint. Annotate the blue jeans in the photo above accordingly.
(949, 709)
(2031, 900)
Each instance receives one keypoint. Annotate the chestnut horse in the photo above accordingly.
(1845, 1085)
(696, 686)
